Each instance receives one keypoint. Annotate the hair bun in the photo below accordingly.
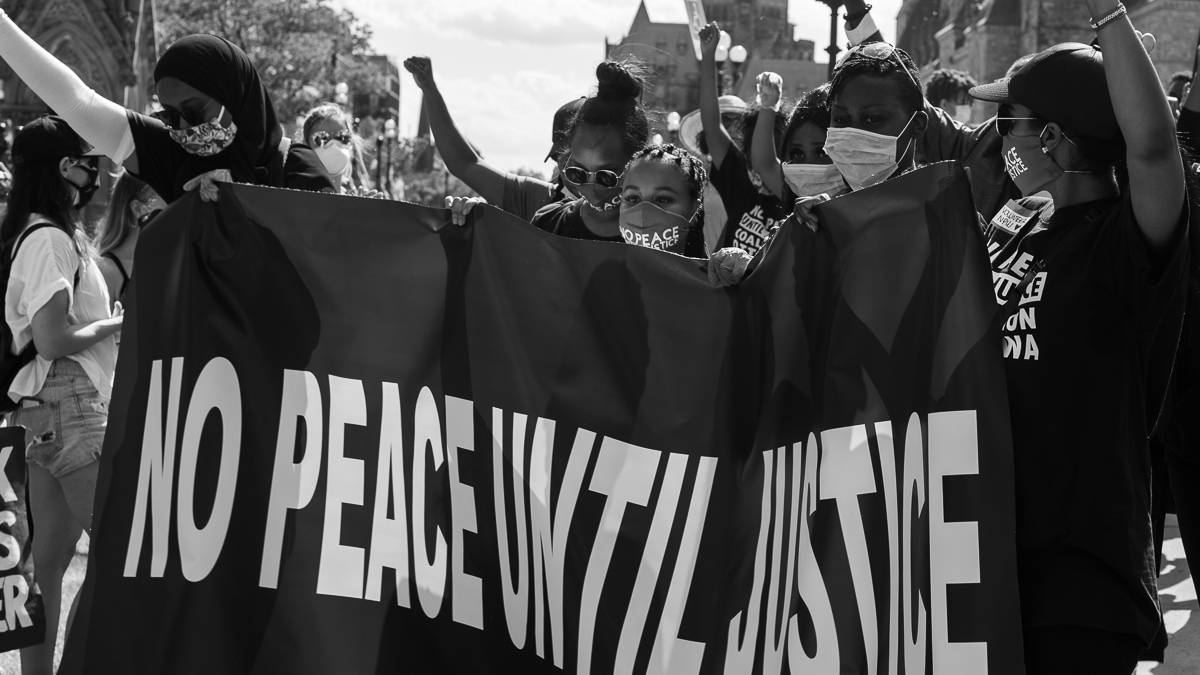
(618, 81)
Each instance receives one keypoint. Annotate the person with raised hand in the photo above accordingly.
(217, 124)
(519, 195)
(801, 169)
(1085, 299)
(942, 137)
(753, 212)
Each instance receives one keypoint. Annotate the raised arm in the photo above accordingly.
(1156, 180)
(764, 160)
(715, 135)
(1188, 124)
(97, 120)
(460, 157)
(860, 27)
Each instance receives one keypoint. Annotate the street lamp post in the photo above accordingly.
(728, 53)
(832, 49)
(389, 132)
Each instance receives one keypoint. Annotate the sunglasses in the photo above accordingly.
(320, 138)
(174, 119)
(880, 51)
(580, 176)
(1005, 120)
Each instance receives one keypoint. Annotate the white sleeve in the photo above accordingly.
(97, 120)
(865, 29)
(45, 264)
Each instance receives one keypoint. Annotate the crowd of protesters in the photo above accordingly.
(1081, 183)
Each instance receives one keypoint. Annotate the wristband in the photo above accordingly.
(865, 29)
(1112, 16)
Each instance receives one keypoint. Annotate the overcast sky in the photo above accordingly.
(505, 66)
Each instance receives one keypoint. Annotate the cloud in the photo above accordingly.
(545, 23)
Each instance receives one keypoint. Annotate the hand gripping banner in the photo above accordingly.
(349, 437)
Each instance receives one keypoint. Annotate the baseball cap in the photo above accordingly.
(47, 137)
(691, 125)
(563, 117)
(1064, 84)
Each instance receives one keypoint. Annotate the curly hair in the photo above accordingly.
(948, 85)
(697, 177)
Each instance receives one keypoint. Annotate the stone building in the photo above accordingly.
(659, 38)
(109, 43)
(984, 37)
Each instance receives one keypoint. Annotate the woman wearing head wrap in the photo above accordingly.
(217, 120)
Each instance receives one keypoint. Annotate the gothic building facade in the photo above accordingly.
(984, 37)
(663, 44)
(109, 43)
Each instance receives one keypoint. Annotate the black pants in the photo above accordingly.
(1075, 650)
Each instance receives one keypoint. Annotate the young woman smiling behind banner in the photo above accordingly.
(609, 128)
(660, 200)
(1087, 297)
(57, 301)
(218, 122)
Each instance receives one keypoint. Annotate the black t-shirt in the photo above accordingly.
(1078, 353)
(562, 218)
(165, 166)
(752, 215)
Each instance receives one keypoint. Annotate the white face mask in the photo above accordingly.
(864, 158)
(335, 157)
(810, 180)
(962, 113)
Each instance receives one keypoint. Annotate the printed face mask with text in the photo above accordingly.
(1027, 163)
(649, 225)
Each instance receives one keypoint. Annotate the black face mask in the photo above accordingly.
(87, 190)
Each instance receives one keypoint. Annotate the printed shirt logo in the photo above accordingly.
(753, 230)
(1020, 329)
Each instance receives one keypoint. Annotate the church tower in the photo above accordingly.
(109, 43)
(762, 23)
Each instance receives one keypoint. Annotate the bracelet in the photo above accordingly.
(1112, 16)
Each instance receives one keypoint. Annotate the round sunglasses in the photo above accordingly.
(320, 138)
(580, 176)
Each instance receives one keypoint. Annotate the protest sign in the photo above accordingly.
(22, 620)
(349, 438)
(696, 21)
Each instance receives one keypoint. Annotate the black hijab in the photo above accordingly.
(220, 69)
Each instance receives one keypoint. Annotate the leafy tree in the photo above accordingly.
(302, 48)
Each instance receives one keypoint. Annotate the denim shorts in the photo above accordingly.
(65, 431)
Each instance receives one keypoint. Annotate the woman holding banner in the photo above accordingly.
(217, 122)
(1086, 299)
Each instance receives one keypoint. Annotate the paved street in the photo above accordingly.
(1178, 597)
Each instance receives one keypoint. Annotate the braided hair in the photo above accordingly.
(697, 177)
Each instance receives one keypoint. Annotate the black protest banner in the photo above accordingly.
(346, 438)
(22, 619)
